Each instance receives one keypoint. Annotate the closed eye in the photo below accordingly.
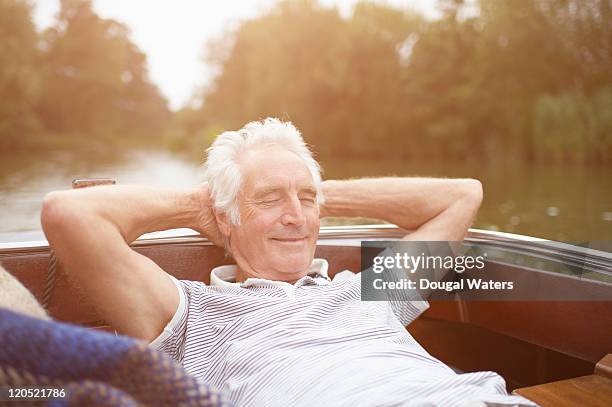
(269, 201)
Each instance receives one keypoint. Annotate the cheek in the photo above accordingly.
(313, 218)
(255, 229)
(257, 219)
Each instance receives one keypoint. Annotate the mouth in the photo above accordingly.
(290, 240)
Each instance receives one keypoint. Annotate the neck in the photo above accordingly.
(242, 274)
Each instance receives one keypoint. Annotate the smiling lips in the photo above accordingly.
(290, 240)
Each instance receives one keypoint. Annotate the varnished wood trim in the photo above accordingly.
(604, 366)
(591, 390)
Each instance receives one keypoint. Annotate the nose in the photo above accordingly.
(292, 213)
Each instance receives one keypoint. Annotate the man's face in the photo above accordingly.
(279, 216)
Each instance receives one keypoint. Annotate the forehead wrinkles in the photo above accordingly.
(263, 169)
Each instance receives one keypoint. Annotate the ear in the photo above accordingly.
(222, 222)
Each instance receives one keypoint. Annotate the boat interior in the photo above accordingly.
(528, 342)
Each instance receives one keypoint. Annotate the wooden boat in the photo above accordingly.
(529, 343)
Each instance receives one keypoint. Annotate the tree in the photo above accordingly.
(303, 62)
(19, 79)
(492, 84)
(95, 79)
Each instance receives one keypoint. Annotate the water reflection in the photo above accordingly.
(24, 181)
(561, 203)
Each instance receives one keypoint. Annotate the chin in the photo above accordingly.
(294, 263)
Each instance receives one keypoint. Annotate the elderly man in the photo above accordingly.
(273, 329)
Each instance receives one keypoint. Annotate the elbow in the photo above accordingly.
(472, 192)
(54, 212)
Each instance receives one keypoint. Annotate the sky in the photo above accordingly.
(173, 33)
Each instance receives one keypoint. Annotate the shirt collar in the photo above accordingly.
(224, 276)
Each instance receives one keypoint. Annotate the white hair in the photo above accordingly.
(221, 169)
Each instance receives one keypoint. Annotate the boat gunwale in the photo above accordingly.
(348, 233)
(352, 235)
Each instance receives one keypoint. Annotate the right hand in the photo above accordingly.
(206, 223)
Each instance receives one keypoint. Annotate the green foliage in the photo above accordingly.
(19, 79)
(573, 126)
(304, 63)
(83, 78)
(95, 77)
(527, 79)
(387, 81)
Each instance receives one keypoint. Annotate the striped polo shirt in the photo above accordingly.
(313, 342)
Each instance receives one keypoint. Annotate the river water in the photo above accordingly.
(565, 203)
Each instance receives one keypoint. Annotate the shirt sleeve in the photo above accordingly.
(407, 304)
(171, 341)
(407, 311)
